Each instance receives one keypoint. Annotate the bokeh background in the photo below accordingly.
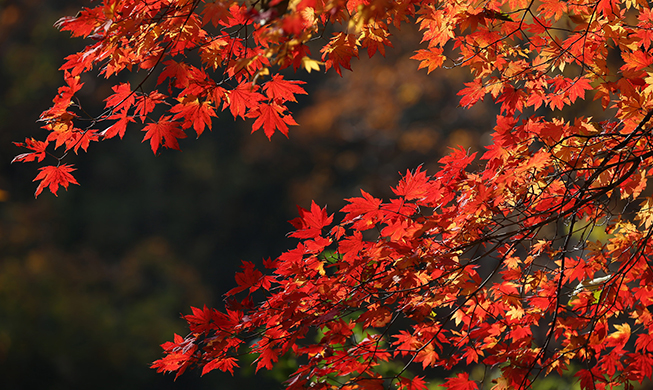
(93, 281)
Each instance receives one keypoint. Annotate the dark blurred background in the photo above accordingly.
(93, 281)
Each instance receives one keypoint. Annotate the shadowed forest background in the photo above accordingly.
(93, 281)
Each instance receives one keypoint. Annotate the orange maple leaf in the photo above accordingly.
(620, 337)
(339, 52)
(577, 89)
(474, 92)
(431, 58)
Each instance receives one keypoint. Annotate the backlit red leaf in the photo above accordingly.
(54, 176)
(242, 98)
(283, 90)
(38, 148)
(163, 133)
(460, 382)
(271, 117)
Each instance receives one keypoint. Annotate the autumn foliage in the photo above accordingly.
(531, 258)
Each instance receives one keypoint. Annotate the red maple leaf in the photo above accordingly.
(63, 99)
(250, 279)
(146, 103)
(201, 319)
(413, 185)
(164, 131)
(53, 176)
(553, 8)
(216, 12)
(636, 60)
(283, 90)
(309, 224)
(83, 24)
(267, 358)
(81, 139)
(179, 355)
(171, 362)
(578, 87)
(558, 101)
(119, 127)
(241, 98)
(645, 34)
(292, 24)
(586, 379)
(620, 337)
(122, 99)
(644, 342)
(460, 382)
(177, 71)
(195, 113)
(416, 383)
(271, 118)
(222, 364)
(61, 130)
(38, 148)
(368, 208)
(474, 92)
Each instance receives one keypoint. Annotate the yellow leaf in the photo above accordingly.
(632, 4)
(310, 64)
(645, 213)
(515, 312)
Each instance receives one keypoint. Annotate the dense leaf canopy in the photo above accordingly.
(531, 258)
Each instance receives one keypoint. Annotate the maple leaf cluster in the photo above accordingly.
(462, 271)
(491, 261)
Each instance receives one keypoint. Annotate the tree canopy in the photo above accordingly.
(529, 259)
